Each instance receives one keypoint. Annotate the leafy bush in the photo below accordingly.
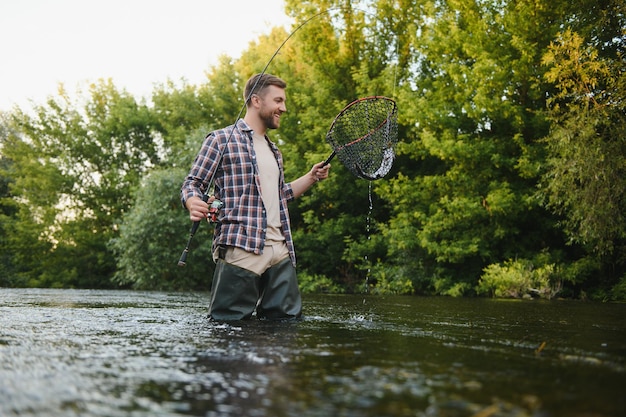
(152, 236)
(385, 283)
(519, 279)
(316, 284)
(618, 292)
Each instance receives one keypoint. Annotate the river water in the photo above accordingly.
(124, 353)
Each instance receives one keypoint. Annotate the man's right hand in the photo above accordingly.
(198, 209)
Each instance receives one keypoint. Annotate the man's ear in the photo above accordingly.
(255, 101)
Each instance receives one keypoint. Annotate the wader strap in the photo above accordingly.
(221, 252)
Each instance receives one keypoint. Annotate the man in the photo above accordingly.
(252, 242)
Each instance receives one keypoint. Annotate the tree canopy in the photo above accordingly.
(509, 178)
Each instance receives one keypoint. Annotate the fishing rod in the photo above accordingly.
(205, 197)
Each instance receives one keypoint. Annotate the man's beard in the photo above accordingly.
(268, 120)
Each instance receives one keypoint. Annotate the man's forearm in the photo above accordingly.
(302, 184)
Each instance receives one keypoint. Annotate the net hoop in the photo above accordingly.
(364, 134)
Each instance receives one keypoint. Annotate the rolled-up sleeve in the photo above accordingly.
(203, 169)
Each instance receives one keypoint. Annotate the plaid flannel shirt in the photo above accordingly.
(242, 220)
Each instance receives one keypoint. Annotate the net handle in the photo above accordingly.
(330, 158)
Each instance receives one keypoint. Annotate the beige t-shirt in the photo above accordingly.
(269, 176)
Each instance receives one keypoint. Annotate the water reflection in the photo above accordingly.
(103, 353)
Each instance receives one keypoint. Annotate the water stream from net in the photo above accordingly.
(369, 236)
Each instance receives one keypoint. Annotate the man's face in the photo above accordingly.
(272, 106)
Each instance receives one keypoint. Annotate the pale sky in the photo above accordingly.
(136, 43)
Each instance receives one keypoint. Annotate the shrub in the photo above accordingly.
(316, 284)
(519, 279)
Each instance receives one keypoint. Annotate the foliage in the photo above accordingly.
(475, 148)
(153, 235)
(385, 283)
(8, 210)
(509, 176)
(181, 111)
(519, 278)
(618, 292)
(586, 176)
(316, 284)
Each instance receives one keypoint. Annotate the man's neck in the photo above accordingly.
(255, 124)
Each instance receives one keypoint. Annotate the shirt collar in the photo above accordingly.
(243, 126)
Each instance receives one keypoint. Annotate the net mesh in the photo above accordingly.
(363, 136)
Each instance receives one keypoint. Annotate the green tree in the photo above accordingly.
(25, 227)
(8, 210)
(74, 167)
(470, 162)
(153, 235)
(585, 179)
(179, 110)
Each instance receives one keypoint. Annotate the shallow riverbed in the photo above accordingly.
(123, 353)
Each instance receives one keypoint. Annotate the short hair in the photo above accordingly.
(259, 82)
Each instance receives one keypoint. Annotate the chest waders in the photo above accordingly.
(236, 292)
